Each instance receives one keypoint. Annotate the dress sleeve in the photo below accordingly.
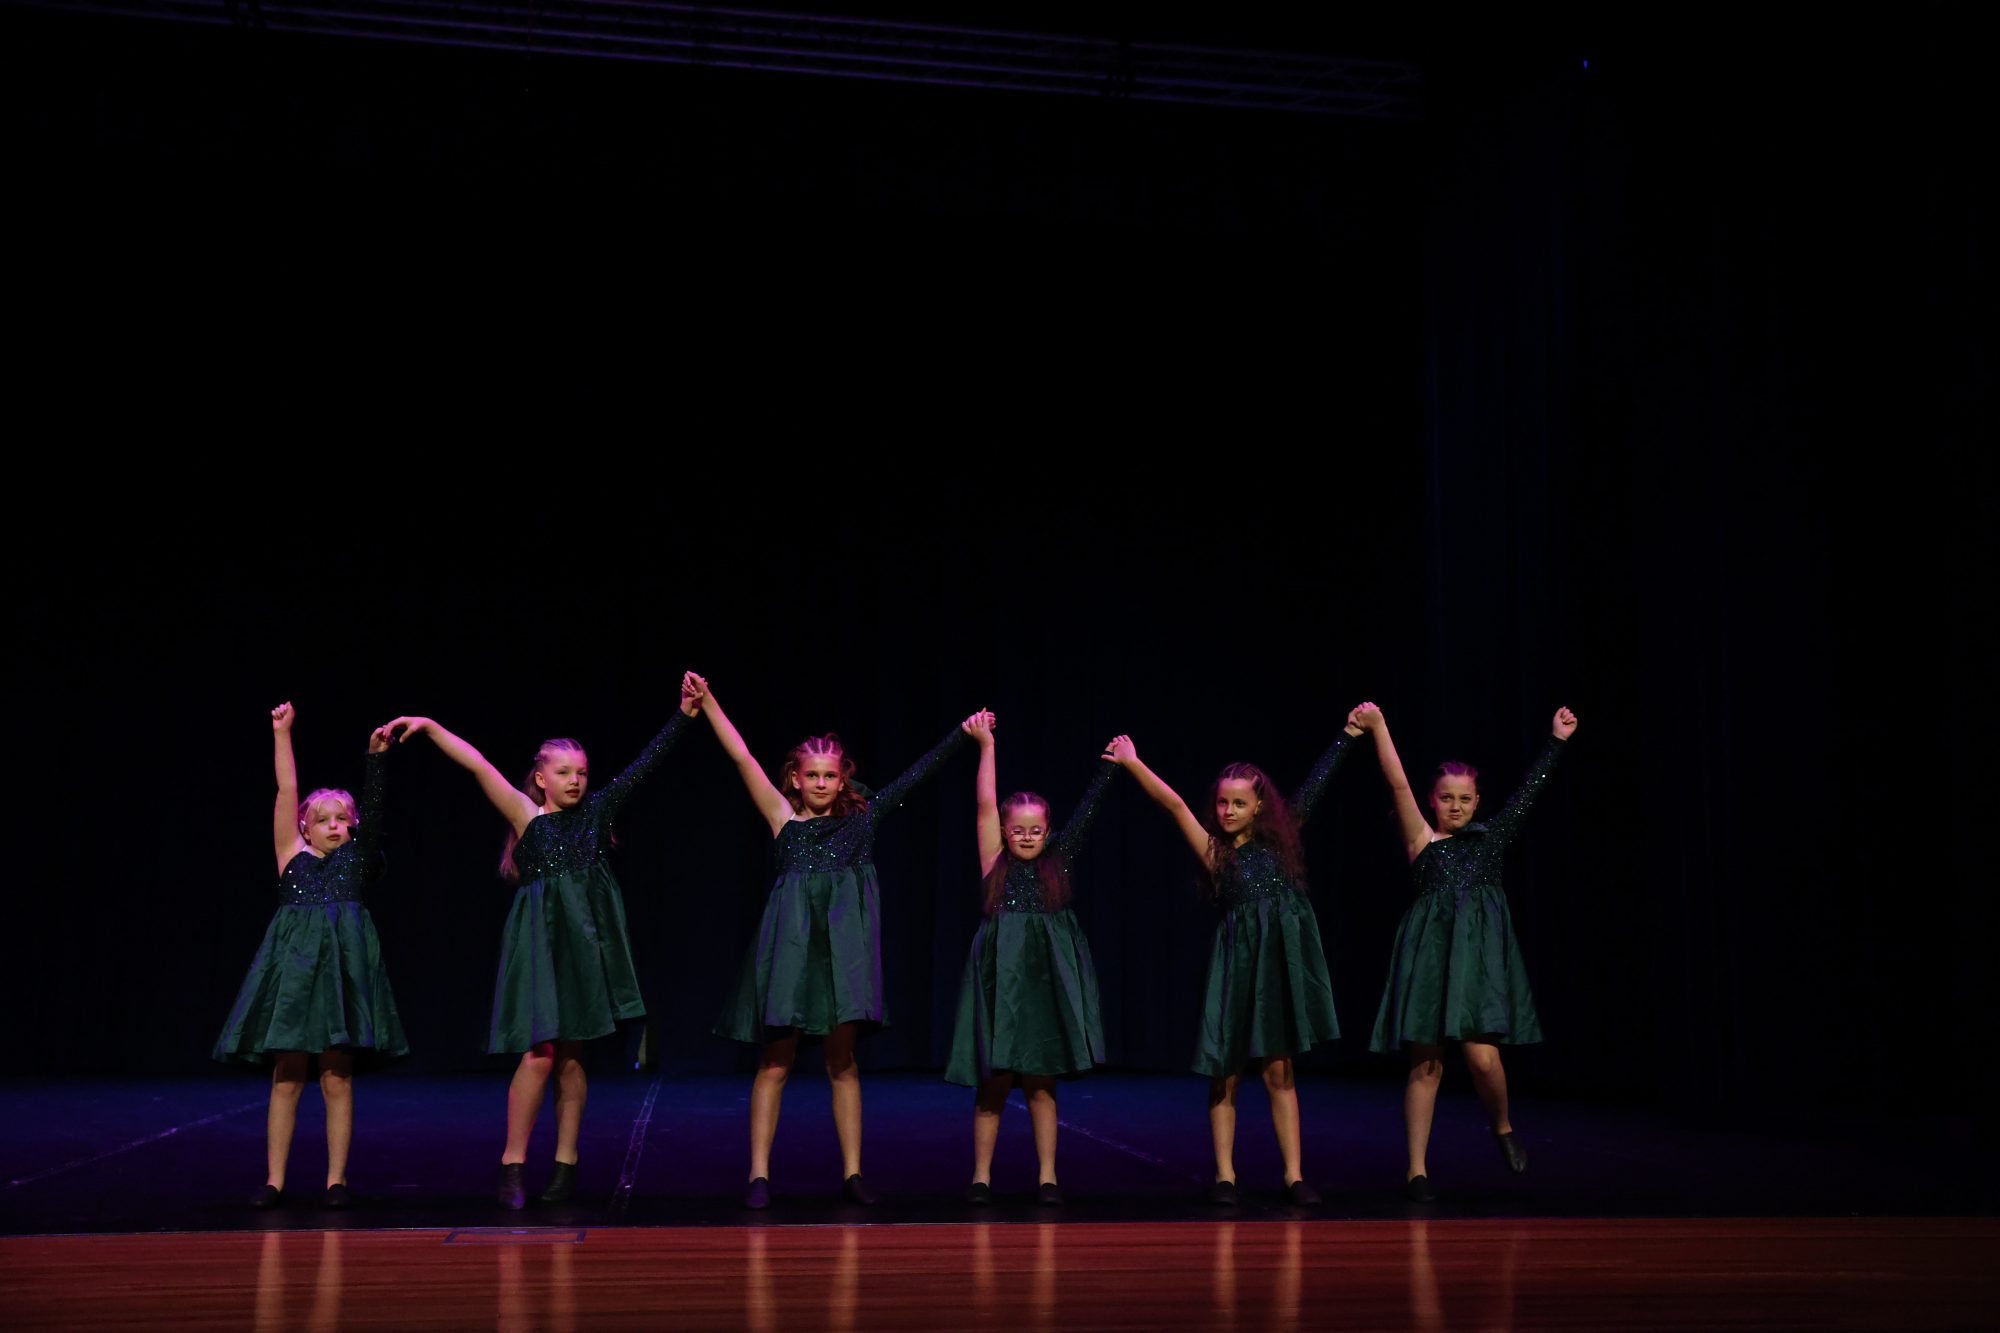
(1308, 794)
(1070, 841)
(374, 786)
(1507, 823)
(899, 791)
(619, 789)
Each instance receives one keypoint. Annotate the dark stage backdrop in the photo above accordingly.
(1656, 390)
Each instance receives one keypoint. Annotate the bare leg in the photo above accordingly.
(1222, 1124)
(767, 1094)
(1489, 1078)
(524, 1100)
(1278, 1082)
(846, 1081)
(1420, 1094)
(288, 1080)
(572, 1091)
(336, 1086)
(1041, 1092)
(987, 1104)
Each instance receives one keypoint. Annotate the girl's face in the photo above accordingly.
(1453, 801)
(818, 782)
(1026, 829)
(327, 825)
(1236, 806)
(564, 777)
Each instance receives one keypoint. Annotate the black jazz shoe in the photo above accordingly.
(512, 1193)
(1417, 1189)
(1512, 1152)
(562, 1185)
(757, 1194)
(337, 1196)
(1049, 1195)
(267, 1198)
(979, 1194)
(1223, 1194)
(857, 1191)
(1301, 1194)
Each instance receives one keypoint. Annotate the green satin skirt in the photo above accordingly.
(816, 961)
(566, 970)
(1456, 974)
(317, 982)
(1267, 991)
(1028, 1003)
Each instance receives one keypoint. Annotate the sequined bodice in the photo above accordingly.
(843, 842)
(1470, 861)
(342, 874)
(1022, 891)
(1255, 871)
(570, 842)
(311, 881)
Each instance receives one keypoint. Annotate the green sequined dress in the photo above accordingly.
(1028, 1002)
(1268, 992)
(318, 981)
(1455, 971)
(816, 960)
(566, 970)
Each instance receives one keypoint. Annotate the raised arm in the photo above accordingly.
(986, 793)
(619, 789)
(1122, 752)
(1508, 822)
(1308, 794)
(508, 799)
(285, 810)
(1410, 825)
(770, 802)
(885, 802)
(1070, 841)
(374, 781)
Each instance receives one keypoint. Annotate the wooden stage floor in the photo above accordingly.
(1486, 1273)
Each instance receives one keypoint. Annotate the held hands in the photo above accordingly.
(405, 728)
(980, 726)
(1564, 725)
(1120, 750)
(694, 693)
(1365, 717)
(281, 717)
(378, 740)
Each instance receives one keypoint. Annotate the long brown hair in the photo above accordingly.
(508, 870)
(1048, 866)
(848, 801)
(1271, 825)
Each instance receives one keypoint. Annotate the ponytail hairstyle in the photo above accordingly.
(1049, 865)
(1272, 826)
(849, 801)
(549, 748)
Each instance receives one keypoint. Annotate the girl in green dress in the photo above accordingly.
(1027, 1008)
(1268, 997)
(566, 973)
(1455, 973)
(814, 968)
(317, 987)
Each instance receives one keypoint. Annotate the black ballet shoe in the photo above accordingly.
(1223, 1194)
(857, 1191)
(1049, 1195)
(267, 1198)
(757, 1194)
(336, 1196)
(979, 1194)
(1301, 1194)
(562, 1185)
(512, 1193)
(1417, 1189)
(1511, 1152)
